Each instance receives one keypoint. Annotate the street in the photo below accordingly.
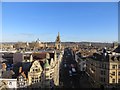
(70, 76)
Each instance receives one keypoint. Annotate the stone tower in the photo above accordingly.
(58, 42)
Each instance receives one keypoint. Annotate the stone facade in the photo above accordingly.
(103, 68)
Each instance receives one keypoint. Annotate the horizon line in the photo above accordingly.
(61, 42)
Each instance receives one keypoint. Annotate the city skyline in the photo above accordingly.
(92, 22)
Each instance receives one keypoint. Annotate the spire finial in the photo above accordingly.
(58, 34)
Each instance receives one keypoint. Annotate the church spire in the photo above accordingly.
(58, 38)
(58, 42)
(58, 34)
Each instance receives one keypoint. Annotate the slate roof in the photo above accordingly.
(39, 55)
(25, 67)
(100, 57)
(117, 50)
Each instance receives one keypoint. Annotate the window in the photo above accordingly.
(50, 76)
(118, 58)
(10, 83)
(113, 80)
(105, 66)
(113, 73)
(36, 78)
(20, 84)
(118, 80)
(39, 77)
(102, 79)
(119, 73)
(101, 72)
(24, 79)
(104, 73)
(119, 66)
(47, 77)
(112, 58)
(23, 84)
(102, 65)
(47, 69)
(51, 73)
(20, 79)
(113, 66)
(38, 70)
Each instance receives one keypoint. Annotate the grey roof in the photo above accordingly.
(117, 50)
(25, 67)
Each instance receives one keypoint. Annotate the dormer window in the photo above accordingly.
(118, 58)
(20, 79)
(115, 58)
(112, 58)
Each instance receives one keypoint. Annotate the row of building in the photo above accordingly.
(35, 69)
(102, 67)
(31, 46)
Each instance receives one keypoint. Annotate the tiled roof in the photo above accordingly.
(41, 55)
(100, 57)
(25, 68)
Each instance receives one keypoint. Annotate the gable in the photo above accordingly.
(36, 65)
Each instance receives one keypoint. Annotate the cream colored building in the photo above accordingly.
(8, 84)
(40, 68)
(50, 77)
(42, 72)
(104, 69)
(34, 75)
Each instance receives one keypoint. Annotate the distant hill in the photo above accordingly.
(73, 43)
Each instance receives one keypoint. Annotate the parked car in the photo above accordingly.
(73, 69)
(70, 73)
(65, 65)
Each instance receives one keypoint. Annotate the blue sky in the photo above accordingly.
(75, 21)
